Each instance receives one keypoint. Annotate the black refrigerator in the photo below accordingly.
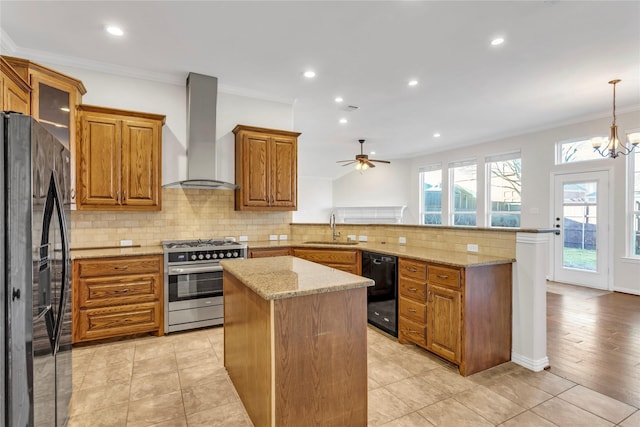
(36, 274)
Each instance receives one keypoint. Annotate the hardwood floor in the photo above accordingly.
(593, 338)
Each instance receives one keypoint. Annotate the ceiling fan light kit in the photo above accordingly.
(363, 162)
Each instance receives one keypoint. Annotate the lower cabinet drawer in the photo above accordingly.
(412, 310)
(106, 322)
(118, 290)
(412, 331)
(412, 289)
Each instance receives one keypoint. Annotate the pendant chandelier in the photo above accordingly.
(613, 147)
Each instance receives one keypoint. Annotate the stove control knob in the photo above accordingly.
(193, 257)
(207, 255)
(235, 254)
(228, 254)
(200, 256)
(221, 255)
(214, 255)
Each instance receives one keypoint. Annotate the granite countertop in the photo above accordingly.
(456, 259)
(286, 277)
(80, 253)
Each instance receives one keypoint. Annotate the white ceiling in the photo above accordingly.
(553, 67)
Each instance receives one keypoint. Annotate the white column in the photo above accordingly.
(529, 333)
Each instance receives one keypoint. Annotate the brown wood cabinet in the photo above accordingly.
(115, 297)
(53, 102)
(119, 159)
(460, 314)
(266, 169)
(348, 260)
(269, 252)
(15, 92)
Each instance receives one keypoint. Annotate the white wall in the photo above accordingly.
(315, 197)
(384, 185)
(129, 93)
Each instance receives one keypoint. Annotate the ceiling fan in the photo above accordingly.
(363, 160)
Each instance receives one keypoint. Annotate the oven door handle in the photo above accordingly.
(194, 269)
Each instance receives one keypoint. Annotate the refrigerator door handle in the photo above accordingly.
(54, 201)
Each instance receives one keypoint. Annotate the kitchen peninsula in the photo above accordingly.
(295, 341)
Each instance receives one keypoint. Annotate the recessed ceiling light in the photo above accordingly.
(339, 99)
(436, 135)
(309, 74)
(413, 82)
(343, 120)
(497, 41)
(373, 153)
(113, 30)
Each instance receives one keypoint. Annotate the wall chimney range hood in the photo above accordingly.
(202, 97)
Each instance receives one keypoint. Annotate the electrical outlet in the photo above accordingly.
(362, 238)
(472, 248)
(283, 237)
(402, 240)
(233, 239)
(351, 238)
(244, 239)
(273, 237)
(126, 242)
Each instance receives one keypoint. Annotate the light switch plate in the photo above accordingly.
(402, 240)
(283, 237)
(362, 238)
(472, 248)
(273, 237)
(243, 239)
(126, 242)
(351, 237)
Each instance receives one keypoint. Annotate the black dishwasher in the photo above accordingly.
(382, 305)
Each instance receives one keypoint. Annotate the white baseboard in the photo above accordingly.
(534, 365)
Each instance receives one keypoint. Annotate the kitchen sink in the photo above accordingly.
(331, 242)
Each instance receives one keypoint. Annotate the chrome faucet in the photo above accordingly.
(332, 224)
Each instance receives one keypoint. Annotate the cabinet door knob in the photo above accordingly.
(124, 196)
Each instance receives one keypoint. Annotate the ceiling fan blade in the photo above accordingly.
(350, 163)
(344, 161)
(368, 163)
(380, 161)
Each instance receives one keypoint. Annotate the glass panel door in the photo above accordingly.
(581, 216)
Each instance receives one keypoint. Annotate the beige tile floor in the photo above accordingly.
(179, 380)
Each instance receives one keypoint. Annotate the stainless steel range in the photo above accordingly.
(193, 281)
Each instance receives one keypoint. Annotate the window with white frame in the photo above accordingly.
(431, 195)
(576, 151)
(463, 192)
(634, 161)
(504, 173)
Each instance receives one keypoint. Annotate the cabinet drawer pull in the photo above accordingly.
(124, 196)
(412, 269)
(124, 291)
(442, 276)
(412, 289)
(120, 267)
(411, 310)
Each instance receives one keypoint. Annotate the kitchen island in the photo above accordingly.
(295, 341)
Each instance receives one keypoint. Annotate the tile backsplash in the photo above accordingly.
(201, 214)
(186, 214)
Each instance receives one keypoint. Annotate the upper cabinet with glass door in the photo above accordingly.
(54, 98)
